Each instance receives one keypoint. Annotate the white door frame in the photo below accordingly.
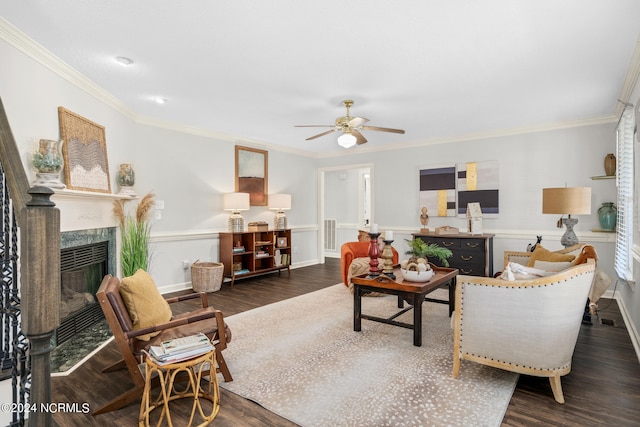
(321, 196)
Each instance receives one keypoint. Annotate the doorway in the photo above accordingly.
(345, 206)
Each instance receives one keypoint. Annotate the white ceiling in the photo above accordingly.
(441, 70)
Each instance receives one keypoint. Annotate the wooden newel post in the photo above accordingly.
(40, 290)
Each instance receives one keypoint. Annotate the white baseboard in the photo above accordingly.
(633, 332)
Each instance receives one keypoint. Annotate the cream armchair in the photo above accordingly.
(525, 326)
(580, 252)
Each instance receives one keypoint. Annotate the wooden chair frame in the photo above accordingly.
(132, 349)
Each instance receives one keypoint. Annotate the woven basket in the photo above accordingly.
(206, 276)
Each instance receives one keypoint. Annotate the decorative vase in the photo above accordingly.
(608, 216)
(48, 162)
(126, 179)
(610, 164)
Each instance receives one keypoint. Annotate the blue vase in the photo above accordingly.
(608, 216)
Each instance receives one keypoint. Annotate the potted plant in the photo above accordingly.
(134, 251)
(419, 250)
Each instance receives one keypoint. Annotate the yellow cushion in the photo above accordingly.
(542, 254)
(145, 304)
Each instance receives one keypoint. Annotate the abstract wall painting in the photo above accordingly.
(478, 182)
(252, 174)
(86, 166)
(438, 189)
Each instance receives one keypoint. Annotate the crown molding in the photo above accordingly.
(630, 79)
(606, 119)
(38, 53)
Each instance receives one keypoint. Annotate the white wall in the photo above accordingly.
(189, 171)
(528, 163)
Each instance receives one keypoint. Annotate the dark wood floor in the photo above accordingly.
(603, 388)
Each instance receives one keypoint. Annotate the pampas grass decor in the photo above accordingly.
(134, 251)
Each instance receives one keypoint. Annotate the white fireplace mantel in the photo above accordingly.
(80, 210)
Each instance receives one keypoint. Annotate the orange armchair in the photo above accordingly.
(353, 250)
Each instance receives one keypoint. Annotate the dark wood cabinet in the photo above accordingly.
(472, 254)
(249, 253)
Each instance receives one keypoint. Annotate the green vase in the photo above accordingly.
(608, 216)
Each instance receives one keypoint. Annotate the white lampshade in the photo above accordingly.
(235, 202)
(280, 202)
(566, 201)
(347, 140)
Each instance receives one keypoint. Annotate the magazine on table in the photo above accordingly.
(177, 345)
(156, 353)
(179, 349)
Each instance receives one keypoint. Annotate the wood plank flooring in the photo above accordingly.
(602, 389)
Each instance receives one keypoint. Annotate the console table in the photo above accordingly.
(472, 254)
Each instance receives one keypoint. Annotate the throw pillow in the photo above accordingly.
(552, 266)
(542, 254)
(515, 271)
(587, 252)
(145, 304)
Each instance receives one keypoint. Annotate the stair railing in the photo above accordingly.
(30, 287)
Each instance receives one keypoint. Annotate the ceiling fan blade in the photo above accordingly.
(360, 139)
(357, 121)
(383, 129)
(321, 134)
(314, 126)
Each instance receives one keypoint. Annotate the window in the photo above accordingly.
(624, 235)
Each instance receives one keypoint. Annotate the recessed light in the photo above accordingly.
(160, 100)
(123, 60)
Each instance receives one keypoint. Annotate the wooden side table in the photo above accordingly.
(190, 387)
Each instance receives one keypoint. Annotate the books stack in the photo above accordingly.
(179, 349)
(285, 259)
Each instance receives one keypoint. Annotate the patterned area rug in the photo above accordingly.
(301, 359)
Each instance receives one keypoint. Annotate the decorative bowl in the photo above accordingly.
(416, 276)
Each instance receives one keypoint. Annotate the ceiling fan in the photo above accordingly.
(350, 127)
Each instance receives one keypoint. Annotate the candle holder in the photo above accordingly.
(387, 255)
(374, 252)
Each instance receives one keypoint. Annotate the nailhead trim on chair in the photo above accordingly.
(515, 364)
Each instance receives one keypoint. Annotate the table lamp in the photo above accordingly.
(235, 202)
(567, 201)
(280, 203)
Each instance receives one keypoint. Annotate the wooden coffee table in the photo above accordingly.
(412, 292)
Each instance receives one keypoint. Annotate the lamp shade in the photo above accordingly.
(566, 201)
(280, 202)
(235, 201)
(347, 140)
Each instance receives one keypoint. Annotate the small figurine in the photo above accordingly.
(424, 217)
(531, 248)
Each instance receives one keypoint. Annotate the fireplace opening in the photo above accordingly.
(82, 269)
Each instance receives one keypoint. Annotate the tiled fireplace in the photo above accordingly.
(86, 256)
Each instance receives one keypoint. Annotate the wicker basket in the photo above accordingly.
(206, 276)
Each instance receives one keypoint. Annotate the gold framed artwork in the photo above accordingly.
(252, 174)
(84, 150)
(281, 242)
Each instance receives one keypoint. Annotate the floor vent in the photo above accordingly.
(607, 322)
(330, 235)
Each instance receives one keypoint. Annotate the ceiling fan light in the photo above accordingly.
(347, 140)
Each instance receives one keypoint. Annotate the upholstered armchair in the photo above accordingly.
(527, 326)
(354, 260)
(556, 261)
